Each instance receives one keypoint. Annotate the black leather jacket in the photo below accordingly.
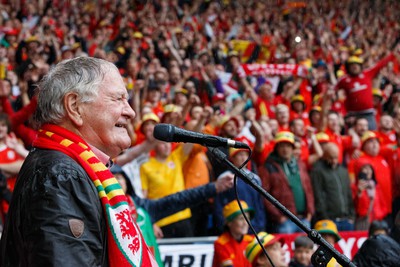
(51, 190)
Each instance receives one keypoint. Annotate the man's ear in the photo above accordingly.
(73, 109)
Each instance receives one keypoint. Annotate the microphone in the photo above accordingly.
(170, 133)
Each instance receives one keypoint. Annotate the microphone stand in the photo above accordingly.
(324, 253)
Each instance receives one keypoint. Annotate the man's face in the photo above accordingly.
(333, 122)
(386, 123)
(285, 150)
(303, 255)
(298, 106)
(196, 112)
(148, 128)
(331, 156)
(239, 226)
(282, 116)
(355, 69)
(240, 157)
(361, 126)
(371, 147)
(105, 118)
(266, 91)
(175, 76)
(163, 149)
(298, 127)
(181, 99)
(3, 130)
(277, 255)
(230, 129)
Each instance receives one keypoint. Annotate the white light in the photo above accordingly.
(297, 39)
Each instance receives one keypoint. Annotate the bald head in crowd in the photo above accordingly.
(331, 154)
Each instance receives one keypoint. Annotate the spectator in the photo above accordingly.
(382, 207)
(245, 192)
(286, 179)
(357, 85)
(378, 228)
(333, 130)
(196, 172)
(161, 176)
(368, 201)
(12, 155)
(273, 245)
(386, 132)
(303, 250)
(332, 190)
(230, 246)
(229, 128)
(378, 250)
(329, 232)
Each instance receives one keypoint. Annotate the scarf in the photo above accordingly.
(273, 69)
(126, 246)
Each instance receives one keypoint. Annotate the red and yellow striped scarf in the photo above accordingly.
(126, 246)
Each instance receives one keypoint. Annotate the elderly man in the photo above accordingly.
(67, 208)
(332, 190)
(286, 179)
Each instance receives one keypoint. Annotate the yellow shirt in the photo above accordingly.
(161, 179)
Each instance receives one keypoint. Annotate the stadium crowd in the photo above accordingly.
(313, 87)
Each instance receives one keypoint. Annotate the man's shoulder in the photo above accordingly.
(51, 167)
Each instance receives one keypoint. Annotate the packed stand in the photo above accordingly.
(313, 87)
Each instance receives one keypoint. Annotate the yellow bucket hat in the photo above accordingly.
(149, 117)
(284, 136)
(322, 137)
(232, 210)
(368, 135)
(254, 249)
(355, 59)
(327, 227)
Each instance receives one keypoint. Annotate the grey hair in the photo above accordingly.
(81, 75)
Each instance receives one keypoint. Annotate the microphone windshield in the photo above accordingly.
(164, 132)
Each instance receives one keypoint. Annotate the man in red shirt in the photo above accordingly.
(386, 133)
(357, 85)
(263, 102)
(343, 142)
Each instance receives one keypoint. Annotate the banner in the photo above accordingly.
(199, 252)
(275, 69)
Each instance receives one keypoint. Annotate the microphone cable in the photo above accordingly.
(244, 214)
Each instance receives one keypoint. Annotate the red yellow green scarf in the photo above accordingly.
(126, 246)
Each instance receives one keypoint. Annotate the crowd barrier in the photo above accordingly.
(198, 252)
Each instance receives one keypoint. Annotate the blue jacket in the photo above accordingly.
(250, 196)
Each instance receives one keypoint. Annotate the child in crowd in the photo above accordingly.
(329, 232)
(378, 228)
(273, 246)
(303, 250)
(230, 246)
